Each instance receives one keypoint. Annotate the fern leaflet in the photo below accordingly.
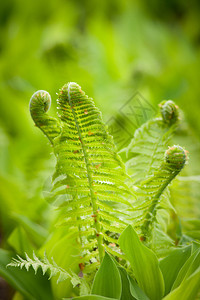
(51, 267)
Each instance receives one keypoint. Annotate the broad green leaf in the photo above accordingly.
(144, 264)
(36, 232)
(20, 242)
(136, 291)
(189, 267)
(107, 281)
(65, 251)
(188, 289)
(91, 297)
(195, 246)
(126, 294)
(32, 286)
(171, 265)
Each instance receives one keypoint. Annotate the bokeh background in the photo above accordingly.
(117, 51)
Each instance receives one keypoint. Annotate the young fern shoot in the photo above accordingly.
(174, 160)
(89, 181)
(96, 198)
(151, 175)
(145, 152)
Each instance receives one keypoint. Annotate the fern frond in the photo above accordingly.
(90, 180)
(152, 188)
(145, 152)
(39, 105)
(185, 194)
(47, 267)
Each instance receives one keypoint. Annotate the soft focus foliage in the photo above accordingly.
(117, 51)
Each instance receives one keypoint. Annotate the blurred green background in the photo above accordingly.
(116, 50)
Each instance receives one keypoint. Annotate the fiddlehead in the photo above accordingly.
(174, 160)
(169, 111)
(145, 151)
(39, 105)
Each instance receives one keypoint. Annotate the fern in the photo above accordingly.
(145, 152)
(151, 175)
(154, 186)
(89, 181)
(51, 267)
(185, 194)
(39, 105)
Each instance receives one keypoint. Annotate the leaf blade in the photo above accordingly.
(144, 264)
(107, 281)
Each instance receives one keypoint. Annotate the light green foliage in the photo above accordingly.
(151, 175)
(96, 202)
(145, 152)
(30, 286)
(173, 262)
(113, 49)
(154, 186)
(144, 264)
(190, 267)
(91, 297)
(51, 267)
(136, 291)
(126, 291)
(89, 173)
(107, 281)
(39, 105)
(188, 289)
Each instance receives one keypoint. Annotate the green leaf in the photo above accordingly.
(171, 265)
(19, 241)
(32, 286)
(126, 294)
(136, 291)
(107, 281)
(36, 232)
(90, 297)
(144, 264)
(189, 267)
(65, 251)
(188, 289)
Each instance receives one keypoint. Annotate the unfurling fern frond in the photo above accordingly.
(47, 267)
(89, 181)
(145, 152)
(39, 105)
(152, 189)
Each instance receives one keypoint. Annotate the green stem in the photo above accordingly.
(151, 214)
(175, 159)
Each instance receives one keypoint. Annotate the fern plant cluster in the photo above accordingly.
(114, 209)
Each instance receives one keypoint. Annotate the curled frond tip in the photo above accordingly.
(169, 111)
(176, 157)
(40, 102)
